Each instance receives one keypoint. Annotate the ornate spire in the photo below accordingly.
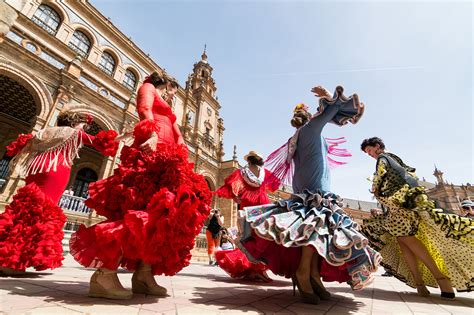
(234, 156)
(439, 176)
(204, 55)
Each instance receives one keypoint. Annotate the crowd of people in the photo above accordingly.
(155, 205)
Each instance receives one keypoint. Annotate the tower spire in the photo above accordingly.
(204, 55)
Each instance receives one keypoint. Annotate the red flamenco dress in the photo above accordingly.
(251, 191)
(154, 204)
(31, 228)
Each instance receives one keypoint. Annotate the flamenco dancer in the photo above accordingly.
(247, 186)
(309, 235)
(154, 203)
(31, 228)
(420, 245)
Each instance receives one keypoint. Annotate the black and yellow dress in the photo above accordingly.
(449, 238)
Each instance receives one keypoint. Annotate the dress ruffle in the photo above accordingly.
(31, 231)
(309, 219)
(16, 146)
(235, 186)
(237, 265)
(351, 107)
(155, 205)
(105, 142)
(448, 238)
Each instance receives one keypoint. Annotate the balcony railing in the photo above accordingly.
(74, 204)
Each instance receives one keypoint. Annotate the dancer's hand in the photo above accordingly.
(320, 91)
(150, 145)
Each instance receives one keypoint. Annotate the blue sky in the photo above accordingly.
(410, 63)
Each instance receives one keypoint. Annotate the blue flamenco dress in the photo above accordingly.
(275, 233)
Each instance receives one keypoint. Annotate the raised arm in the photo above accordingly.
(337, 109)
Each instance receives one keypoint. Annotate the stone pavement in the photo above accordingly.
(202, 289)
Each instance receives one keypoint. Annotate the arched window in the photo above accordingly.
(80, 43)
(84, 177)
(130, 80)
(107, 63)
(47, 18)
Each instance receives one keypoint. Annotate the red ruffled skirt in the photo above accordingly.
(155, 206)
(236, 264)
(31, 231)
(284, 261)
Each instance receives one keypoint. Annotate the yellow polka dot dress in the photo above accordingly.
(449, 238)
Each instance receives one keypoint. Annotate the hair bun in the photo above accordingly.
(156, 79)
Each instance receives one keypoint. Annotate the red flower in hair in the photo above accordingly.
(90, 119)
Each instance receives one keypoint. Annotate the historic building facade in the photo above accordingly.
(66, 53)
(446, 195)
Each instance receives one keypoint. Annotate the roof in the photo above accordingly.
(356, 204)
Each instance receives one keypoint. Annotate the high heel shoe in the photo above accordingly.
(115, 290)
(149, 287)
(446, 295)
(309, 298)
(319, 290)
(422, 290)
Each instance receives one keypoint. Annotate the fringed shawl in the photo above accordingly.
(43, 152)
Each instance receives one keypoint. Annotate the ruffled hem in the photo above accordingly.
(31, 231)
(155, 205)
(448, 238)
(236, 264)
(309, 219)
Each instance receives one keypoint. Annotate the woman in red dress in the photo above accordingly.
(154, 203)
(248, 187)
(31, 228)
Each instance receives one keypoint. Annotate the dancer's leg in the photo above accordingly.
(303, 272)
(420, 251)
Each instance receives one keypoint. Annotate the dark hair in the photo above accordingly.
(255, 160)
(157, 80)
(300, 118)
(173, 83)
(372, 142)
(69, 119)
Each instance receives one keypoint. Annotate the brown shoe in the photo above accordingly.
(104, 283)
(143, 282)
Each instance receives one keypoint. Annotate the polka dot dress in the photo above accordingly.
(448, 238)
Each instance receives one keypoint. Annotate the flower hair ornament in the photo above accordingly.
(300, 106)
(89, 119)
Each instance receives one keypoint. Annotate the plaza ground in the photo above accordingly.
(202, 289)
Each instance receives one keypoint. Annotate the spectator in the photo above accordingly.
(467, 209)
(215, 221)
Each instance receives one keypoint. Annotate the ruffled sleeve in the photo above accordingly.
(233, 186)
(105, 142)
(143, 130)
(16, 146)
(350, 108)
